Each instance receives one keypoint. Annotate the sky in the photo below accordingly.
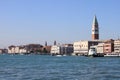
(66, 21)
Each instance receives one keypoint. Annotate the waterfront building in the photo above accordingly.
(3, 51)
(11, 49)
(33, 48)
(100, 48)
(22, 49)
(109, 46)
(105, 46)
(17, 49)
(46, 49)
(62, 49)
(95, 29)
(56, 49)
(117, 46)
(68, 49)
(82, 47)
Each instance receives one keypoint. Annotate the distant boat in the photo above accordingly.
(58, 55)
(93, 53)
(112, 55)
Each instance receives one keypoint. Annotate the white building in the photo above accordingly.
(16, 50)
(22, 50)
(1, 51)
(11, 49)
(117, 46)
(82, 47)
(100, 48)
(55, 49)
(62, 49)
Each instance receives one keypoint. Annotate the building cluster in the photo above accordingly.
(82, 47)
(77, 48)
(103, 46)
(30, 48)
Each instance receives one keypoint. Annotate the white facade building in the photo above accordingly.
(62, 49)
(117, 46)
(11, 49)
(82, 47)
(55, 49)
(22, 50)
(100, 48)
(16, 50)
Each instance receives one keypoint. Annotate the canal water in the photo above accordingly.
(39, 67)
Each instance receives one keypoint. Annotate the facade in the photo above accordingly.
(56, 49)
(68, 49)
(95, 29)
(17, 49)
(11, 49)
(105, 47)
(33, 48)
(117, 46)
(100, 48)
(3, 51)
(23, 49)
(82, 47)
(46, 49)
(109, 46)
(62, 49)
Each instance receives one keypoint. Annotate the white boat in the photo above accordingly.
(92, 51)
(58, 55)
(112, 55)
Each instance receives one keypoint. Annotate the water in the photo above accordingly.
(38, 67)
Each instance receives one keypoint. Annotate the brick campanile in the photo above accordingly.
(95, 29)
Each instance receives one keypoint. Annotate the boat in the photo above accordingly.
(93, 53)
(58, 55)
(112, 55)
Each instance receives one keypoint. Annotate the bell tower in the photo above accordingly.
(95, 29)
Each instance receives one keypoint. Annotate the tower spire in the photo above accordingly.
(95, 29)
(55, 42)
(95, 22)
(45, 43)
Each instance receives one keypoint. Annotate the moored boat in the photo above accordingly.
(112, 55)
(93, 53)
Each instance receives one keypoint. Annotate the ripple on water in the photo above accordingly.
(35, 67)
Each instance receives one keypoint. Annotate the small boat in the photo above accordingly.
(58, 55)
(112, 55)
(93, 53)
